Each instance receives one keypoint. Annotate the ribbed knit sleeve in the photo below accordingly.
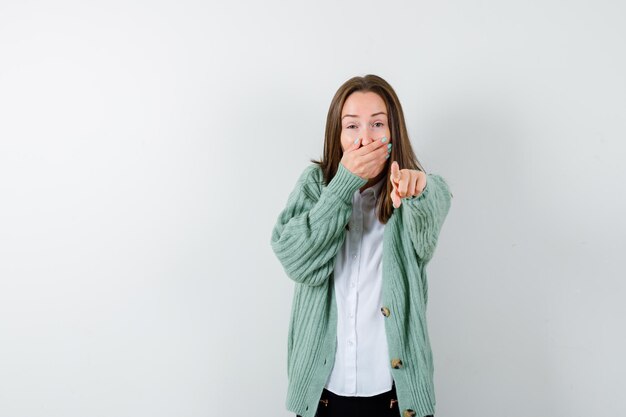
(423, 215)
(311, 228)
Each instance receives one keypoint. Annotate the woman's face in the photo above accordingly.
(364, 116)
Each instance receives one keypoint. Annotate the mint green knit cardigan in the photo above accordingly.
(306, 238)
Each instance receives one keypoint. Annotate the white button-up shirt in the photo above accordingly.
(362, 362)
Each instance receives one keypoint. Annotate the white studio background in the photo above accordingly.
(147, 148)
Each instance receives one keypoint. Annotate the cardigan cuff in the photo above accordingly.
(345, 183)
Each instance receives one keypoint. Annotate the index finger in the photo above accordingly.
(371, 147)
(395, 171)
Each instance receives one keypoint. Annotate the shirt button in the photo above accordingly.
(350, 342)
(396, 363)
(409, 413)
(351, 315)
(385, 311)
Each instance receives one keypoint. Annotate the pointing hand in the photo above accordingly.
(405, 183)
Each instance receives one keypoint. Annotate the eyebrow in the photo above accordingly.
(354, 115)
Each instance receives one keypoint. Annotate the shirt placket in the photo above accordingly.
(356, 237)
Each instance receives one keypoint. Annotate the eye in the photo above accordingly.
(379, 123)
(348, 127)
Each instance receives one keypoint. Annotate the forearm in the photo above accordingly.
(425, 214)
(311, 228)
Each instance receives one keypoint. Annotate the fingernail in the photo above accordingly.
(384, 139)
(389, 146)
(387, 157)
(356, 141)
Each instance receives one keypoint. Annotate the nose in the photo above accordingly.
(368, 137)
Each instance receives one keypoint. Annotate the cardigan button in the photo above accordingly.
(409, 413)
(396, 363)
(385, 311)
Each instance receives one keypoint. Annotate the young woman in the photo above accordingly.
(356, 234)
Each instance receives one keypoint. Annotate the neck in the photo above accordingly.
(372, 181)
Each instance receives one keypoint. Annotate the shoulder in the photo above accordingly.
(438, 181)
(437, 178)
(311, 172)
(311, 175)
(310, 181)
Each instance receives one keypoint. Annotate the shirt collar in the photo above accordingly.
(373, 189)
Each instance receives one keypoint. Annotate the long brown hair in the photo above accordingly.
(402, 150)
